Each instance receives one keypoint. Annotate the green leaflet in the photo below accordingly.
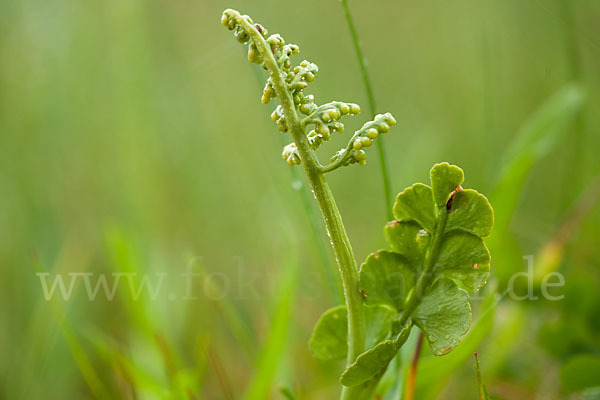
(329, 337)
(445, 178)
(416, 204)
(471, 212)
(387, 277)
(464, 259)
(369, 363)
(463, 256)
(444, 315)
(328, 340)
(408, 239)
(435, 372)
(437, 250)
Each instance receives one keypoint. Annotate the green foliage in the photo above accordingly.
(465, 259)
(472, 213)
(387, 278)
(581, 372)
(437, 257)
(444, 315)
(416, 204)
(436, 241)
(460, 221)
(445, 180)
(288, 394)
(274, 348)
(369, 363)
(133, 112)
(437, 253)
(288, 85)
(435, 372)
(540, 134)
(483, 394)
(328, 341)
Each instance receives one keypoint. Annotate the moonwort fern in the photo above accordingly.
(436, 255)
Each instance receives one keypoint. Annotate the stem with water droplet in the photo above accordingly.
(333, 220)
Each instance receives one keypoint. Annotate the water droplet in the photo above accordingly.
(422, 233)
(475, 266)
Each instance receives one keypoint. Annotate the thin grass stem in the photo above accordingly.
(362, 62)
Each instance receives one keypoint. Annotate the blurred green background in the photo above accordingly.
(133, 140)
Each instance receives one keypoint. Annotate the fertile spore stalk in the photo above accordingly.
(437, 254)
(288, 86)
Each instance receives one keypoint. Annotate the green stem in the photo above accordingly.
(362, 62)
(333, 221)
(346, 263)
(430, 258)
(332, 281)
(347, 154)
(424, 280)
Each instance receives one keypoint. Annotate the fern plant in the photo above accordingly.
(436, 255)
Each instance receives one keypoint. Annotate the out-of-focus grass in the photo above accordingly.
(132, 139)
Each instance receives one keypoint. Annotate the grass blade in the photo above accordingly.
(362, 62)
(483, 394)
(269, 359)
(536, 138)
